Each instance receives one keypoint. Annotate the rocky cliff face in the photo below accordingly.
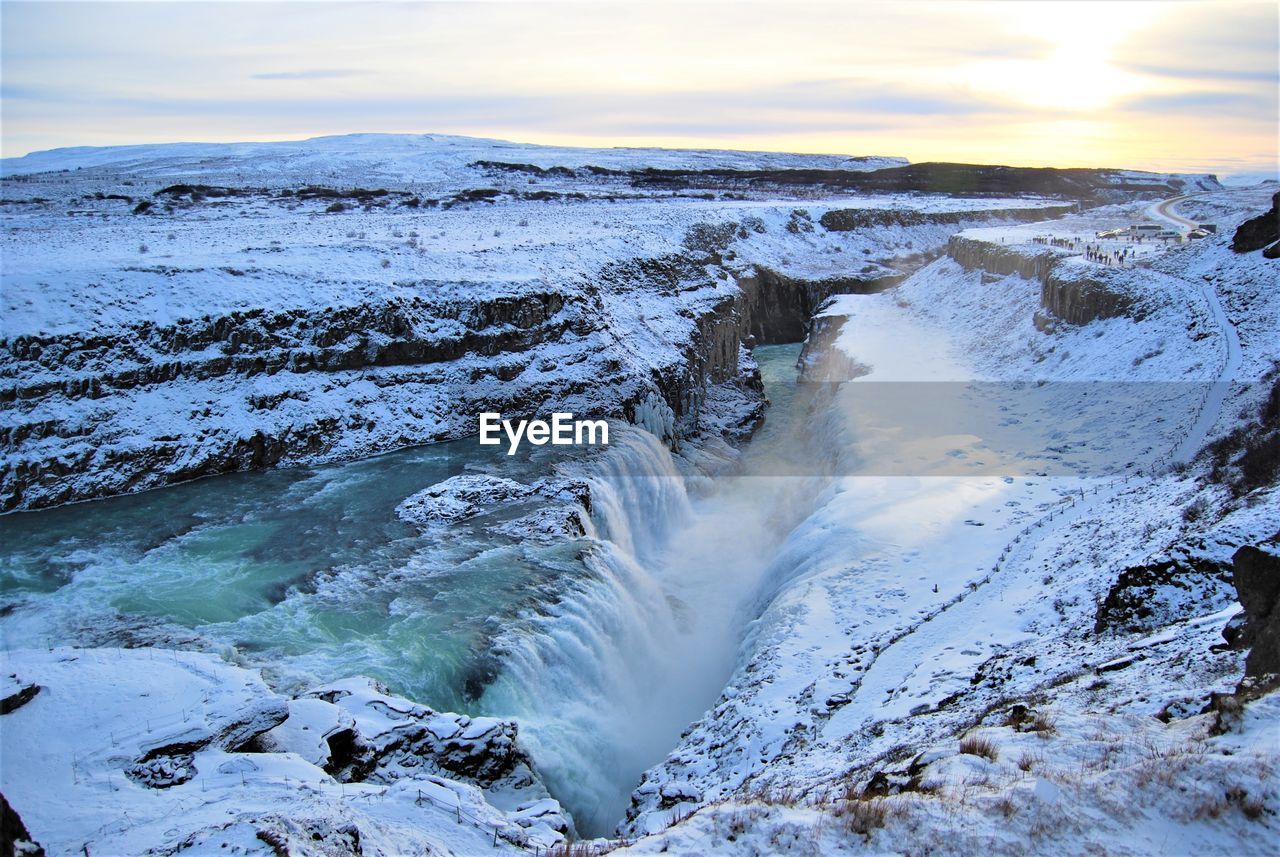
(847, 220)
(1256, 574)
(102, 413)
(1079, 296)
(1002, 260)
(1259, 232)
(1074, 293)
(777, 308)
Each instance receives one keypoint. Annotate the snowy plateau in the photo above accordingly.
(938, 515)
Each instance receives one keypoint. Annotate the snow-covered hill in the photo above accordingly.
(397, 158)
(300, 323)
(998, 613)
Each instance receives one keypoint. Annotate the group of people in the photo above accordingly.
(1118, 256)
(1093, 252)
(1065, 243)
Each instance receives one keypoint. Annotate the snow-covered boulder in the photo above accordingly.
(132, 751)
(310, 728)
(460, 497)
(555, 506)
(392, 737)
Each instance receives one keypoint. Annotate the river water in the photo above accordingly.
(604, 647)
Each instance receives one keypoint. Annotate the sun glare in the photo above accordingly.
(1077, 70)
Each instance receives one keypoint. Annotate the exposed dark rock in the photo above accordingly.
(195, 191)
(16, 700)
(1260, 231)
(1022, 718)
(1234, 631)
(347, 756)
(15, 840)
(778, 308)
(251, 723)
(820, 360)
(162, 770)
(848, 220)
(898, 780)
(1149, 596)
(1071, 293)
(966, 179)
(1256, 574)
(1080, 183)
(1001, 260)
(1044, 322)
(1079, 297)
(257, 341)
(673, 794)
(480, 750)
(173, 764)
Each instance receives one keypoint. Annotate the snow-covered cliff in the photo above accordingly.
(939, 636)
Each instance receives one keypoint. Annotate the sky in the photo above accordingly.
(1189, 86)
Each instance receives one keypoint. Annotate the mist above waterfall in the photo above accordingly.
(605, 680)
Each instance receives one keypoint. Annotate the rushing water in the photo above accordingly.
(604, 647)
(645, 645)
(308, 572)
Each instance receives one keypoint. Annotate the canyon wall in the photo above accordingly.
(1074, 293)
(231, 343)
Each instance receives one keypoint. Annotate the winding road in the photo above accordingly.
(1163, 210)
(1230, 339)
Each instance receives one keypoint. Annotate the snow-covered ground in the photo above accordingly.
(132, 751)
(933, 662)
(423, 158)
(913, 609)
(213, 332)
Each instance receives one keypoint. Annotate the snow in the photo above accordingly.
(321, 303)
(402, 157)
(856, 659)
(99, 710)
(938, 576)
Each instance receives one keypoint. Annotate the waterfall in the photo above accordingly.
(638, 495)
(588, 677)
(640, 642)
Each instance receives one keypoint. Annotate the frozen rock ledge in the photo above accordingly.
(172, 750)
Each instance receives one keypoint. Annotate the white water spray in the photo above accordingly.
(606, 681)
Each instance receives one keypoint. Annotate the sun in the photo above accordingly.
(1078, 70)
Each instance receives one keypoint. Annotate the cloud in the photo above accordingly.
(1244, 104)
(816, 108)
(871, 96)
(12, 92)
(310, 74)
(1207, 41)
(1266, 75)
